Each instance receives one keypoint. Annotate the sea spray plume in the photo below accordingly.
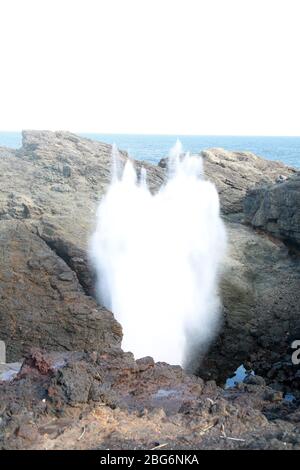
(157, 258)
(143, 178)
(174, 158)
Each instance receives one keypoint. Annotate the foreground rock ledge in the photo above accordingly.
(109, 401)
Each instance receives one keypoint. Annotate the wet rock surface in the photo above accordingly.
(80, 390)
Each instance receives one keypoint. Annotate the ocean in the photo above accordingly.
(153, 147)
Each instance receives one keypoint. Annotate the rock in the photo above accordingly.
(75, 381)
(235, 172)
(163, 163)
(79, 402)
(274, 395)
(38, 307)
(7, 152)
(276, 209)
(66, 276)
(254, 380)
(261, 305)
(28, 432)
(280, 179)
(145, 363)
(2, 352)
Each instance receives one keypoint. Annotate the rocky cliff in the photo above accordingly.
(234, 173)
(49, 189)
(276, 209)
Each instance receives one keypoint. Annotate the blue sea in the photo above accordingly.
(153, 147)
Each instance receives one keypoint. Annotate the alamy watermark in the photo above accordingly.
(296, 354)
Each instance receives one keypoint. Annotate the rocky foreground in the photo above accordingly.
(76, 387)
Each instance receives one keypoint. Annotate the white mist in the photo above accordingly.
(157, 259)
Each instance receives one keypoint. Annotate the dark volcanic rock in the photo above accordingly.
(261, 298)
(276, 209)
(108, 401)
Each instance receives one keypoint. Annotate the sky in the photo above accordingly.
(151, 66)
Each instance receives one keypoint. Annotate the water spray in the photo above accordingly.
(157, 258)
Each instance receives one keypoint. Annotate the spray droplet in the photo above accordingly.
(129, 174)
(175, 153)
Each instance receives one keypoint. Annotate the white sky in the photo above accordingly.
(151, 66)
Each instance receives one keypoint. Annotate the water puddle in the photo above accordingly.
(289, 397)
(240, 374)
(9, 371)
(162, 393)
